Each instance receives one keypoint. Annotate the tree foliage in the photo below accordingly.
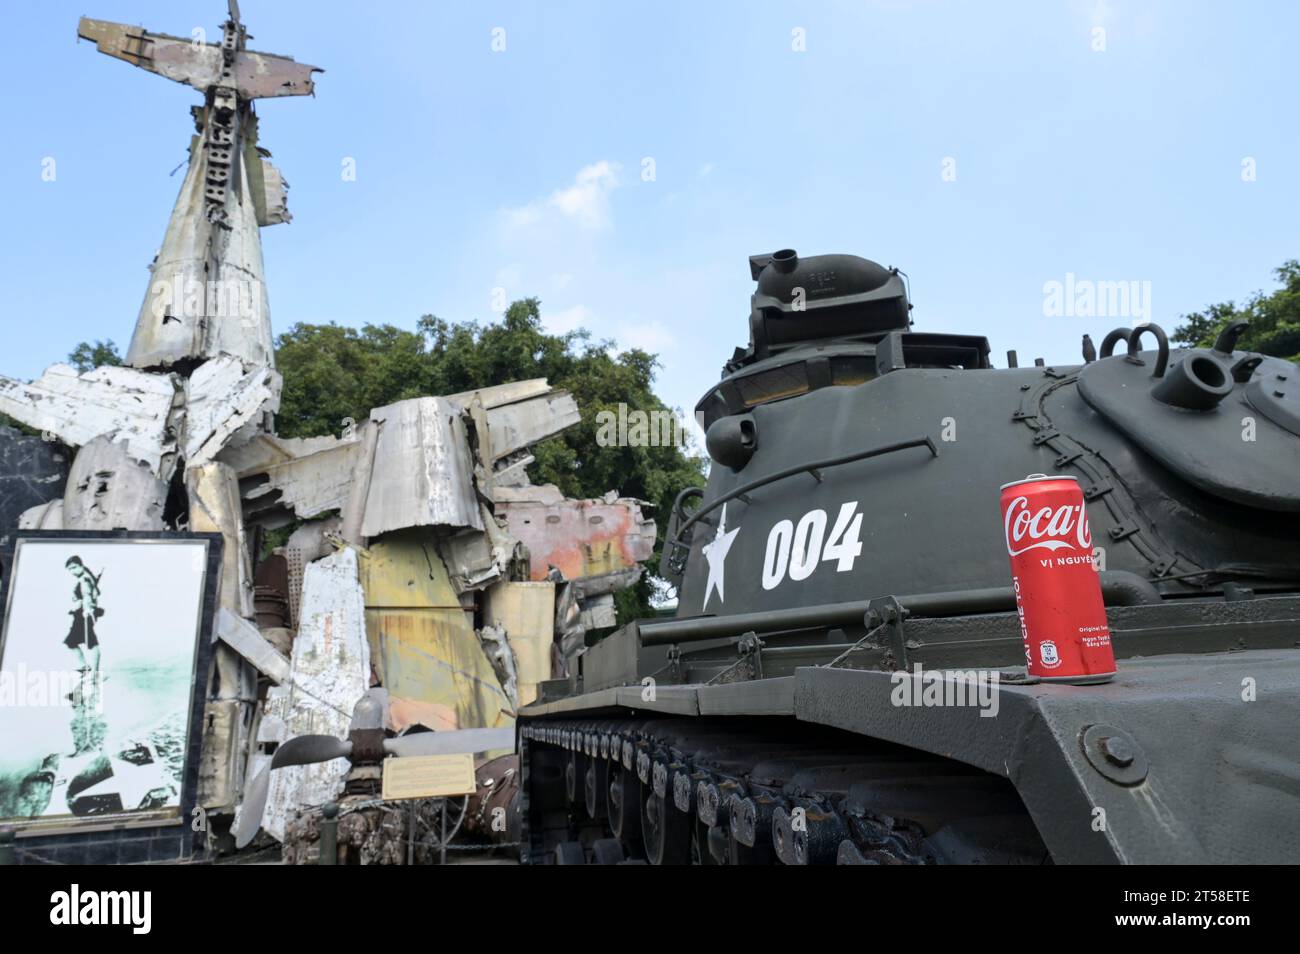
(1274, 319)
(86, 356)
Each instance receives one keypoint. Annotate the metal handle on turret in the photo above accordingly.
(1162, 346)
(1108, 343)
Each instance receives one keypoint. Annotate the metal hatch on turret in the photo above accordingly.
(1222, 419)
(824, 321)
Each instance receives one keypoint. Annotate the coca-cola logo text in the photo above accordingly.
(1047, 529)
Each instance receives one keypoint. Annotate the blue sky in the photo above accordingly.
(524, 169)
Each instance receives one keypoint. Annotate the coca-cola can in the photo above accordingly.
(1058, 591)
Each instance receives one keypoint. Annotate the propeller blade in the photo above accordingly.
(310, 749)
(249, 819)
(303, 750)
(451, 742)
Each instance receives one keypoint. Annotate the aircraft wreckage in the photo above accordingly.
(426, 584)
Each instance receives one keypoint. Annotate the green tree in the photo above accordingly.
(87, 356)
(332, 373)
(1274, 319)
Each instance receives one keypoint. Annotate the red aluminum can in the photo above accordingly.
(1058, 592)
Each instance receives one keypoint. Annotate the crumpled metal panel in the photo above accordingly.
(207, 289)
(307, 543)
(499, 395)
(509, 418)
(423, 472)
(426, 652)
(215, 508)
(599, 612)
(243, 637)
(496, 645)
(477, 558)
(140, 410)
(109, 490)
(226, 405)
(274, 207)
(305, 486)
(580, 538)
(524, 423)
(267, 450)
(330, 671)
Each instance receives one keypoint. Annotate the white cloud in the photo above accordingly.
(585, 203)
(705, 169)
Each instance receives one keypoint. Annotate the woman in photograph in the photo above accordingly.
(85, 611)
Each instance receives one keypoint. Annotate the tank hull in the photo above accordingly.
(1210, 777)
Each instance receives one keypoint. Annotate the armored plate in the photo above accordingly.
(1236, 450)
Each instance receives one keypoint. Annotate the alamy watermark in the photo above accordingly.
(132, 909)
(628, 427)
(180, 298)
(21, 687)
(934, 688)
(1085, 298)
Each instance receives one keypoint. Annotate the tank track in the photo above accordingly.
(759, 791)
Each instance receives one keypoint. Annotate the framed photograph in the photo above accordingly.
(105, 645)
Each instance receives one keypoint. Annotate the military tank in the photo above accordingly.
(848, 549)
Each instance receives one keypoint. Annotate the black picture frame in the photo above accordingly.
(120, 838)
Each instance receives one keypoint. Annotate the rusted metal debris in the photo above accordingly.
(422, 475)
(213, 492)
(423, 569)
(330, 671)
(245, 638)
(425, 650)
(580, 538)
(226, 405)
(131, 407)
(108, 488)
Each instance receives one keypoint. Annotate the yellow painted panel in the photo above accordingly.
(435, 671)
(423, 645)
(527, 612)
(403, 569)
(524, 609)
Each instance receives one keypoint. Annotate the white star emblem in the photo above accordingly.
(716, 553)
